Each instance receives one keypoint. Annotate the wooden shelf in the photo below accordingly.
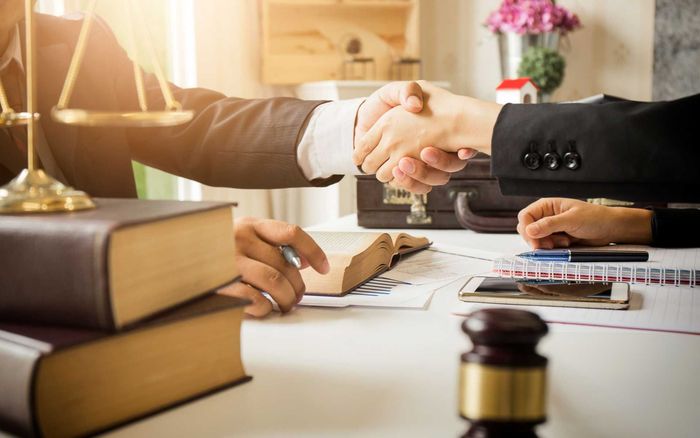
(304, 40)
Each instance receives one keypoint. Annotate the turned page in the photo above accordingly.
(341, 249)
(404, 243)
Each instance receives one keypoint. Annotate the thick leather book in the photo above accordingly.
(61, 382)
(115, 265)
(356, 258)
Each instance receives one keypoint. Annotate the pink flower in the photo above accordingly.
(532, 16)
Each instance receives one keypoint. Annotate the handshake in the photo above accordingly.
(415, 134)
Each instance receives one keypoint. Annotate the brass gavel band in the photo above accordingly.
(501, 393)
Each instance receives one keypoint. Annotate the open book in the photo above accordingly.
(356, 258)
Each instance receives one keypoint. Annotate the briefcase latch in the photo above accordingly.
(418, 213)
(396, 196)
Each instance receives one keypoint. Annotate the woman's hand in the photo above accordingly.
(447, 121)
(561, 222)
(263, 268)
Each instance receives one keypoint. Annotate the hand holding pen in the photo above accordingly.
(291, 256)
(264, 267)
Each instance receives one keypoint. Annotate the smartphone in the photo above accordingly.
(594, 295)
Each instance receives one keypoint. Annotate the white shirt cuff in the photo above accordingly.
(326, 146)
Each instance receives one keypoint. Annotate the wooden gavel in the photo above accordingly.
(503, 379)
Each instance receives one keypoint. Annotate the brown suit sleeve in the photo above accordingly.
(231, 142)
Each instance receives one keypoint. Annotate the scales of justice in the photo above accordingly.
(33, 190)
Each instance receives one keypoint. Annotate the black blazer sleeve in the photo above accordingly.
(675, 228)
(644, 151)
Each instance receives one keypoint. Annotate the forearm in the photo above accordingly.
(662, 227)
(240, 143)
(474, 124)
(631, 225)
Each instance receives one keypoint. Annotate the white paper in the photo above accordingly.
(381, 292)
(660, 308)
(441, 262)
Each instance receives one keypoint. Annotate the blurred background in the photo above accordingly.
(266, 48)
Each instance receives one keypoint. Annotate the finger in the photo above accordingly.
(368, 143)
(375, 159)
(535, 211)
(407, 94)
(560, 241)
(423, 173)
(410, 96)
(533, 243)
(281, 233)
(544, 243)
(405, 182)
(270, 280)
(525, 218)
(385, 171)
(549, 225)
(441, 160)
(259, 307)
(270, 255)
(467, 153)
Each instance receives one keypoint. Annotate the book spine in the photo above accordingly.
(55, 275)
(17, 369)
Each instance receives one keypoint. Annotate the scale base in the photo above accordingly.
(33, 191)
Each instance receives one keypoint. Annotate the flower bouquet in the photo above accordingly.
(522, 24)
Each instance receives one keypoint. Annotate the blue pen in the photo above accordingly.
(581, 256)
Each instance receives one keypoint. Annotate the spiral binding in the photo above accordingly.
(580, 272)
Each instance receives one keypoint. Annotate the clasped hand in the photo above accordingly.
(406, 144)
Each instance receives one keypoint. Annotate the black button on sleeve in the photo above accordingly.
(572, 160)
(532, 160)
(552, 160)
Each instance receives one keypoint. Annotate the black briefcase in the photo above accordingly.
(472, 200)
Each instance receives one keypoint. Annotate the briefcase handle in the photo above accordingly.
(467, 218)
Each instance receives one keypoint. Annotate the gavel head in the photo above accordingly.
(502, 379)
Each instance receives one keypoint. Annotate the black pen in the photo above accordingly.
(582, 255)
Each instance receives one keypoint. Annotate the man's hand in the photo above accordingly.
(263, 268)
(561, 222)
(434, 170)
(447, 121)
(417, 176)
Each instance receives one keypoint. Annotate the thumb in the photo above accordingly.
(407, 94)
(550, 225)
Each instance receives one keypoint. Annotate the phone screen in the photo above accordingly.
(511, 287)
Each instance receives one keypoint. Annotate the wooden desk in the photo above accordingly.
(383, 372)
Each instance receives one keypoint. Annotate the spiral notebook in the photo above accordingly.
(659, 299)
(649, 273)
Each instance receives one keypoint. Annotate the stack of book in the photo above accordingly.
(109, 315)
